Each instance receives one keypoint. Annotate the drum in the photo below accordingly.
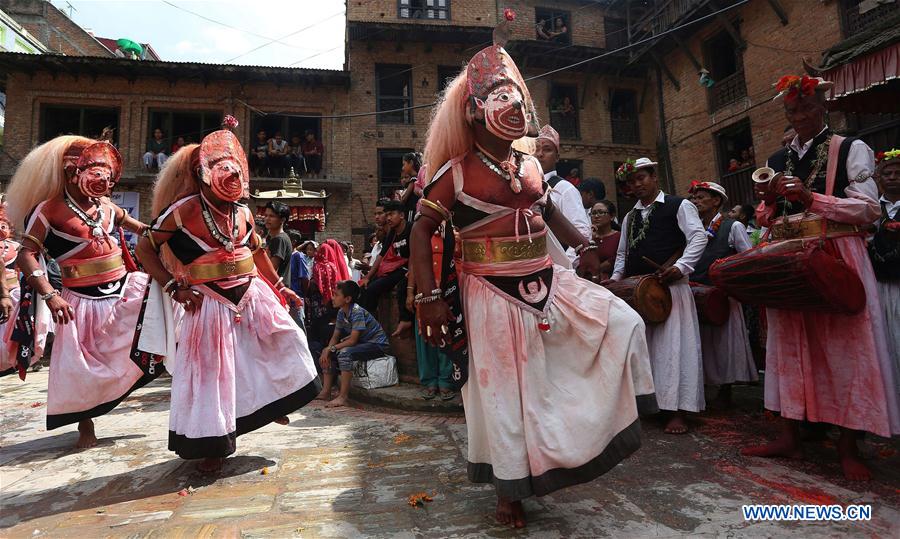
(646, 295)
(712, 304)
(796, 275)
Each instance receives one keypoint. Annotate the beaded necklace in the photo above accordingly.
(505, 169)
(95, 225)
(213, 227)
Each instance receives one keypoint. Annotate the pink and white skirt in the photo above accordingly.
(550, 409)
(95, 362)
(233, 375)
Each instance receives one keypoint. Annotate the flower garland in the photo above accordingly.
(714, 225)
(634, 239)
(889, 155)
(821, 159)
(625, 169)
(795, 86)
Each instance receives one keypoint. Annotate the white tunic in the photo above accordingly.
(675, 356)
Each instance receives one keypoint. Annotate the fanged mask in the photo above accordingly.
(504, 113)
(224, 166)
(98, 169)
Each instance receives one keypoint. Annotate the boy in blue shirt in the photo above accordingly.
(357, 337)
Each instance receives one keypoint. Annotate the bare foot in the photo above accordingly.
(323, 396)
(339, 401)
(676, 424)
(283, 420)
(86, 436)
(778, 448)
(854, 469)
(510, 513)
(211, 465)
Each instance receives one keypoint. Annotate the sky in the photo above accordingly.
(287, 33)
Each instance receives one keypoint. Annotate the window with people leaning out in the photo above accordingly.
(424, 9)
(564, 110)
(393, 93)
(283, 142)
(90, 122)
(553, 25)
(170, 130)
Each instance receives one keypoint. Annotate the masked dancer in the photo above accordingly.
(64, 186)
(555, 362)
(241, 362)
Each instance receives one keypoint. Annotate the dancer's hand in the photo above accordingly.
(60, 310)
(6, 306)
(292, 297)
(435, 318)
(191, 299)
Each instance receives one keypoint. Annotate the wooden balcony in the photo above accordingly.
(727, 91)
(626, 130)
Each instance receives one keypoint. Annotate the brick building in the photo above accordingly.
(745, 50)
(401, 53)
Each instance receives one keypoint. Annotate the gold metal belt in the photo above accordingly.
(214, 272)
(810, 228)
(91, 268)
(504, 250)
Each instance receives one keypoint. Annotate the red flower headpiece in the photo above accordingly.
(792, 87)
(509, 14)
(229, 122)
(889, 155)
(695, 184)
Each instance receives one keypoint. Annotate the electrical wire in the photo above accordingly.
(279, 40)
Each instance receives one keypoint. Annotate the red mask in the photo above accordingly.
(98, 169)
(504, 112)
(5, 230)
(224, 166)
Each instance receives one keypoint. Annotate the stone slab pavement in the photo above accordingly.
(350, 472)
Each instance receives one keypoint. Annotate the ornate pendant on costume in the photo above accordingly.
(97, 232)
(237, 318)
(229, 246)
(511, 169)
(544, 325)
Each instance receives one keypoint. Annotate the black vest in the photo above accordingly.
(716, 248)
(554, 180)
(884, 250)
(803, 167)
(663, 238)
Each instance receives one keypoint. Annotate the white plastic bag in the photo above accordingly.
(375, 373)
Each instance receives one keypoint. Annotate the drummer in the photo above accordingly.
(663, 235)
(726, 349)
(825, 367)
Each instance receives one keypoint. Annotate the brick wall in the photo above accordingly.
(462, 12)
(135, 100)
(52, 28)
(772, 50)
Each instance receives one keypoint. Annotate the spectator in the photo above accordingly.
(733, 165)
(108, 134)
(559, 31)
(567, 108)
(746, 159)
(295, 157)
(381, 228)
(543, 29)
(357, 337)
(320, 312)
(258, 154)
(605, 235)
(278, 244)
(278, 156)
(353, 263)
(155, 157)
(389, 269)
(312, 152)
(435, 368)
(574, 177)
(301, 263)
(179, 143)
(412, 163)
(592, 191)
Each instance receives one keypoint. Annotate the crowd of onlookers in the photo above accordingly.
(268, 156)
(744, 159)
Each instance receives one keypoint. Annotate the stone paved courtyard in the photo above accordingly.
(349, 473)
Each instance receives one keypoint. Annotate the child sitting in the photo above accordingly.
(357, 337)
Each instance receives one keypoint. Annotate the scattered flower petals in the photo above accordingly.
(37, 404)
(402, 438)
(183, 492)
(264, 471)
(419, 500)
